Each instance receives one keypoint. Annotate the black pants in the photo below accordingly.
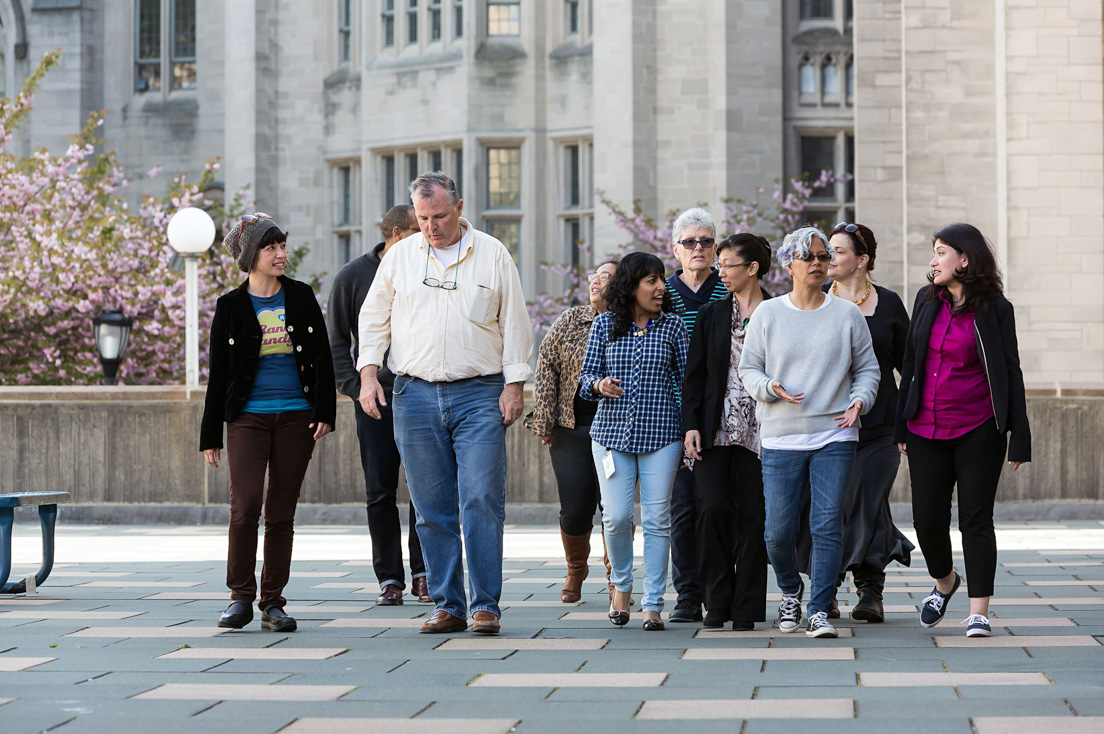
(732, 567)
(972, 461)
(684, 546)
(379, 457)
(576, 478)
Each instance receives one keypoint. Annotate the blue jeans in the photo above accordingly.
(787, 475)
(453, 445)
(656, 471)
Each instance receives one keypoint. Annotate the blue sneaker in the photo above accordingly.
(977, 625)
(935, 605)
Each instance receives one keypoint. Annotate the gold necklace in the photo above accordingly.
(861, 301)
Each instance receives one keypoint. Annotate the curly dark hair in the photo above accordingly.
(981, 279)
(621, 291)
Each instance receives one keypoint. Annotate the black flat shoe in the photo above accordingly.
(274, 619)
(716, 618)
(740, 626)
(620, 617)
(654, 625)
(236, 616)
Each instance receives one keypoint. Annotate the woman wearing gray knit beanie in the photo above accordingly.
(272, 382)
(809, 363)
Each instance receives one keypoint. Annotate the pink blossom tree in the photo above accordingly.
(72, 247)
(781, 213)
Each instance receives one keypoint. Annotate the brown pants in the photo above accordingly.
(282, 443)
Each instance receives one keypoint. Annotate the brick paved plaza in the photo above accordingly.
(122, 638)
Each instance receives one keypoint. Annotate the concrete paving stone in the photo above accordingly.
(1066, 582)
(374, 622)
(1054, 566)
(842, 708)
(1086, 704)
(1018, 641)
(566, 680)
(52, 614)
(319, 574)
(139, 584)
(243, 692)
(190, 596)
(792, 653)
(508, 643)
(539, 603)
(1034, 724)
(312, 609)
(5, 700)
(247, 653)
(615, 713)
(953, 679)
(28, 602)
(756, 633)
(894, 659)
(1031, 621)
(1065, 601)
(846, 726)
(399, 726)
(172, 632)
(12, 664)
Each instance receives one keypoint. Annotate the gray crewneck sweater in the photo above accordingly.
(826, 354)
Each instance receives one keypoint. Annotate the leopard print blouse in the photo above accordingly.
(558, 363)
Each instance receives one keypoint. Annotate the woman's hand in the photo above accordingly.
(546, 440)
(321, 430)
(788, 397)
(903, 448)
(607, 387)
(1015, 464)
(212, 456)
(692, 444)
(850, 416)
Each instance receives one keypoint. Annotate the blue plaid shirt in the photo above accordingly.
(647, 416)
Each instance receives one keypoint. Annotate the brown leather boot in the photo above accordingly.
(577, 552)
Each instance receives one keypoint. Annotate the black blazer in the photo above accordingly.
(995, 331)
(707, 362)
(236, 347)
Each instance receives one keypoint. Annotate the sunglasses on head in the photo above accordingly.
(248, 219)
(852, 229)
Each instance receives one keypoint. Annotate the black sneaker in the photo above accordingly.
(236, 616)
(819, 626)
(742, 626)
(935, 605)
(687, 613)
(789, 611)
(274, 619)
(977, 626)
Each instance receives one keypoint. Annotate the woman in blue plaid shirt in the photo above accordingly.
(634, 364)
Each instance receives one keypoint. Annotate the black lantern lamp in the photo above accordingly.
(112, 330)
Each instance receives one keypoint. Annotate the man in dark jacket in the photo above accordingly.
(378, 454)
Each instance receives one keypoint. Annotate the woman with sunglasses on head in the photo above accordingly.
(634, 363)
(562, 420)
(962, 395)
(272, 382)
(809, 365)
(870, 539)
(722, 436)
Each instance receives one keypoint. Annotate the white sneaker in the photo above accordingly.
(977, 625)
(819, 626)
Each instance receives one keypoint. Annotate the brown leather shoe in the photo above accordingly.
(442, 622)
(391, 596)
(420, 588)
(485, 623)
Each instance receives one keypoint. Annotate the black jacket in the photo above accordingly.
(347, 293)
(707, 363)
(236, 347)
(995, 331)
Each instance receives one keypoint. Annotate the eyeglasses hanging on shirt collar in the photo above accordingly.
(448, 285)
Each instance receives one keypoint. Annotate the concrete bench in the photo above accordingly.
(47, 503)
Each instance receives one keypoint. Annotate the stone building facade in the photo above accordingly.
(989, 111)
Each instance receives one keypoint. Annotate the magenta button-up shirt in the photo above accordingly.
(955, 396)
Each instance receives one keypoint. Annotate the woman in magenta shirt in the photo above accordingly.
(962, 394)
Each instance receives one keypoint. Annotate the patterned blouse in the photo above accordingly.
(739, 426)
(557, 378)
(650, 366)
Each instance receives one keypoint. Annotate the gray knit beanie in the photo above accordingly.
(241, 242)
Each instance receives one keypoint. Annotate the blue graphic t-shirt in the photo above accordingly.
(276, 387)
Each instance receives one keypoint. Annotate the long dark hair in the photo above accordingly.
(620, 293)
(981, 279)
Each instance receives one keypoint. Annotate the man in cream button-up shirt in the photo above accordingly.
(448, 303)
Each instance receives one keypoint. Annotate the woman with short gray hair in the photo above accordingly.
(809, 363)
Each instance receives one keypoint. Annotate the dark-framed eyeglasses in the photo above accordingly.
(809, 257)
(706, 243)
(852, 229)
(446, 285)
(726, 268)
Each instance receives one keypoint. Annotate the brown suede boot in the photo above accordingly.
(577, 552)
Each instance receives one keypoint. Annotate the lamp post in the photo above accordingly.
(111, 330)
(191, 233)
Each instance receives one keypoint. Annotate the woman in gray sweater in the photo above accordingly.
(809, 364)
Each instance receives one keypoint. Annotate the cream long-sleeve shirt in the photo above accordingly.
(437, 335)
